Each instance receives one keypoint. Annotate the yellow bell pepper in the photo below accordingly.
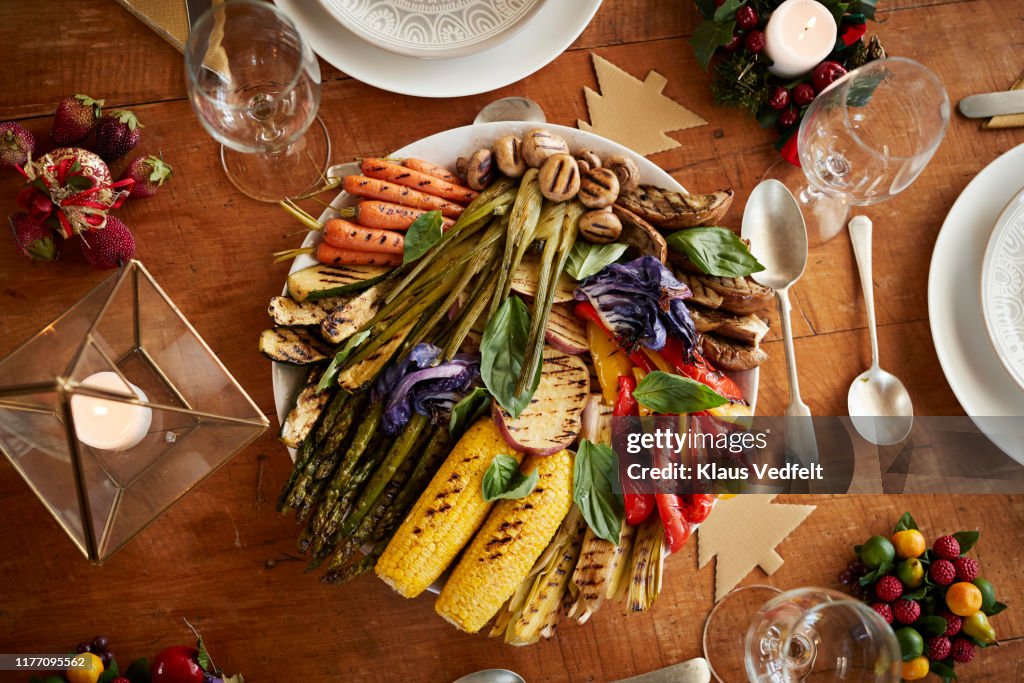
(609, 361)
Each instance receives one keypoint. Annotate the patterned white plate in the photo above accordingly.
(1002, 287)
(433, 29)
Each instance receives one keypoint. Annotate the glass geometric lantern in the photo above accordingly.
(117, 409)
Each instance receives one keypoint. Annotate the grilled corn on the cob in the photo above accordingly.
(506, 547)
(446, 515)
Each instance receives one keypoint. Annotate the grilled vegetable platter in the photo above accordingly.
(456, 334)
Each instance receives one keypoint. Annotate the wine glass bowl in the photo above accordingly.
(254, 84)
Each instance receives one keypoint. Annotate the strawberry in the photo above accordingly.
(117, 133)
(16, 144)
(149, 174)
(109, 247)
(34, 240)
(75, 119)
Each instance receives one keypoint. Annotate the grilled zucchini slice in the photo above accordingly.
(344, 321)
(304, 415)
(294, 346)
(287, 312)
(321, 282)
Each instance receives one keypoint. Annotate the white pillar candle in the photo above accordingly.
(799, 35)
(110, 425)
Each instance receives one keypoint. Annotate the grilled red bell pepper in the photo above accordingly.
(672, 511)
(700, 370)
(697, 506)
(639, 506)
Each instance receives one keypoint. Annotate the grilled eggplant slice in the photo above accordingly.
(287, 312)
(321, 282)
(308, 406)
(749, 329)
(727, 354)
(705, 296)
(640, 235)
(524, 280)
(740, 295)
(667, 209)
(294, 346)
(346, 320)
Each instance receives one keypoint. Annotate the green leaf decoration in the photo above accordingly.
(331, 373)
(138, 671)
(931, 626)
(943, 669)
(423, 234)
(905, 522)
(917, 594)
(995, 609)
(716, 251)
(966, 539)
(669, 394)
(727, 10)
(467, 411)
(203, 658)
(708, 37)
(586, 259)
(504, 481)
(594, 472)
(502, 352)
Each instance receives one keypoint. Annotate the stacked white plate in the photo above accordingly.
(976, 300)
(440, 48)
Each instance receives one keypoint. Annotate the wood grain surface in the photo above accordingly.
(224, 559)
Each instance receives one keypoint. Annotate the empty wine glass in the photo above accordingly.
(806, 634)
(255, 86)
(863, 140)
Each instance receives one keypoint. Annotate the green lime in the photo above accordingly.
(876, 551)
(988, 593)
(911, 642)
(910, 572)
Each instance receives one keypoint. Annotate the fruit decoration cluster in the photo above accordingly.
(935, 599)
(70, 191)
(731, 42)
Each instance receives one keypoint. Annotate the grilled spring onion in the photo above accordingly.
(646, 566)
(522, 224)
(599, 572)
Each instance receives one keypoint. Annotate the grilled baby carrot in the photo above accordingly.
(373, 188)
(382, 169)
(385, 215)
(334, 256)
(346, 235)
(431, 169)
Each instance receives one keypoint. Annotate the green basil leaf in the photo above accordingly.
(502, 352)
(931, 626)
(424, 233)
(905, 522)
(503, 480)
(727, 10)
(716, 251)
(669, 394)
(593, 475)
(465, 412)
(708, 37)
(966, 539)
(331, 373)
(586, 259)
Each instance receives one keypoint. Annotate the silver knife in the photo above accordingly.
(992, 104)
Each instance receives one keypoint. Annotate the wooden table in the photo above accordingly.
(223, 558)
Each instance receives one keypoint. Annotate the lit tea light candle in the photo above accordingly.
(799, 35)
(110, 425)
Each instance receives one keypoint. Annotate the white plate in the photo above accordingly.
(1002, 287)
(968, 359)
(445, 148)
(429, 29)
(545, 36)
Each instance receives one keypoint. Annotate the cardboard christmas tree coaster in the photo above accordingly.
(742, 533)
(634, 112)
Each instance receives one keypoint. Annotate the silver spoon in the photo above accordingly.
(492, 676)
(773, 224)
(879, 404)
(511, 109)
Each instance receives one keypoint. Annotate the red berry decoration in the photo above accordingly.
(34, 240)
(75, 119)
(778, 98)
(906, 611)
(149, 174)
(109, 247)
(962, 651)
(803, 94)
(942, 572)
(788, 118)
(755, 41)
(966, 568)
(947, 547)
(117, 133)
(733, 44)
(888, 588)
(17, 143)
(826, 73)
(746, 17)
(938, 648)
(884, 610)
(953, 624)
(177, 665)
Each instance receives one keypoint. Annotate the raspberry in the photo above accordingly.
(888, 588)
(947, 547)
(938, 648)
(962, 651)
(953, 624)
(966, 568)
(906, 611)
(884, 610)
(942, 572)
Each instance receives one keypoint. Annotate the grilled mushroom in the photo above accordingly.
(740, 295)
(640, 236)
(587, 158)
(600, 226)
(559, 178)
(508, 153)
(599, 187)
(539, 144)
(627, 171)
(480, 169)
